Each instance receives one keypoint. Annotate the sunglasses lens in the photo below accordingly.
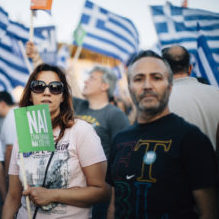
(56, 87)
(38, 86)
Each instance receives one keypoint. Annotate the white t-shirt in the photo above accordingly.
(197, 103)
(1, 152)
(8, 130)
(79, 147)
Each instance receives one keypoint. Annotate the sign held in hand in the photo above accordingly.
(34, 128)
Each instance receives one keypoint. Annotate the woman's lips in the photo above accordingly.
(46, 101)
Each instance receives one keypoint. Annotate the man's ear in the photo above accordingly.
(104, 86)
(190, 70)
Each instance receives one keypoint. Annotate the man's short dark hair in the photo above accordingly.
(180, 61)
(149, 53)
(6, 97)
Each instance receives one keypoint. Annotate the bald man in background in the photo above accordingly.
(197, 103)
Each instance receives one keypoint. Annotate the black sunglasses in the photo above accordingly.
(55, 87)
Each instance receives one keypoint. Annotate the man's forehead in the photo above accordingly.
(95, 73)
(149, 65)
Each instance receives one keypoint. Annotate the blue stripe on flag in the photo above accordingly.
(13, 81)
(108, 33)
(178, 25)
(136, 41)
(3, 22)
(13, 70)
(207, 62)
(102, 51)
(101, 25)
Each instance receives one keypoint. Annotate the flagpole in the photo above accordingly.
(77, 53)
(31, 26)
(25, 186)
(27, 62)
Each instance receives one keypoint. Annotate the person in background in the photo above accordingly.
(6, 103)
(8, 129)
(162, 166)
(3, 190)
(196, 102)
(106, 118)
(76, 171)
(96, 109)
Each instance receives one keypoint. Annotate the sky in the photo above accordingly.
(66, 15)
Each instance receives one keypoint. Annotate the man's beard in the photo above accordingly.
(152, 110)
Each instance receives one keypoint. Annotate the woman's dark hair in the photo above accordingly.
(66, 117)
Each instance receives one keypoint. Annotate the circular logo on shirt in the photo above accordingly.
(150, 157)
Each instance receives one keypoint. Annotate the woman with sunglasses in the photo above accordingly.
(66, 183)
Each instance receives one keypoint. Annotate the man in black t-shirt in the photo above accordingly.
(162, 166)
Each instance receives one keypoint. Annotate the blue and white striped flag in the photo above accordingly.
(206, 62)
(13, 69)
(48, 46)
(183, 26)
(3, 22)
(63, 56)
(108, 33)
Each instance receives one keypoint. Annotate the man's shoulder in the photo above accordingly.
(110, 107)
(127, 131)
(115, 114)
(10, 116)
(193, 84)
(194, 96)
(180, 121)
(188, 129)
(79, 103)
(79, 100)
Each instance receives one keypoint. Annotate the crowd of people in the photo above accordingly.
(164, 164)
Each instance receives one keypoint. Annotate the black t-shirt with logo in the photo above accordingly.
(154, 168)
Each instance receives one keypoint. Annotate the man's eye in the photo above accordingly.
(157, 78)
(137, 79)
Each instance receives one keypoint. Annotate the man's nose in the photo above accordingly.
(147, 84)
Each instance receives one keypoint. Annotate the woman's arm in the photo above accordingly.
(13, 198)
(96, 190)
(111, 208)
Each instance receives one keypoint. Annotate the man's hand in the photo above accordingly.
(33, 53)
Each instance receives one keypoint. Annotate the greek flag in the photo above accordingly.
(177, 25)
(107, 33)
(206, 61)
(3, 22)
(13, 69)
(63, 56)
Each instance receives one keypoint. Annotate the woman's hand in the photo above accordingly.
(39, 195)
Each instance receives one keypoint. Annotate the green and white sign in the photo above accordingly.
(34, 128)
